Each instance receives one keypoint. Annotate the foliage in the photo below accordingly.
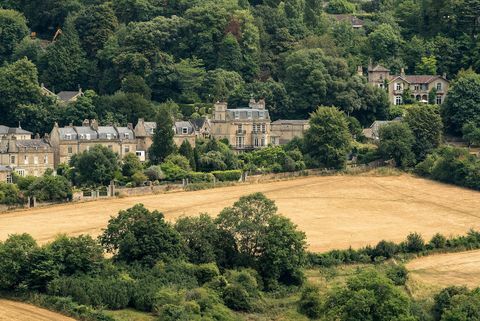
(368, 296)
(96, 166)
(426, 125)
(228, 176)
(328, 138)
(310, 303)
(471, 133)
(51, 188)
(138, 235)
(131, 165)
(396, 142)
(163, 137)
(10, 194)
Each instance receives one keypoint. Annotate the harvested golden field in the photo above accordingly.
(432, 273)
(334, 211)
(17, 311)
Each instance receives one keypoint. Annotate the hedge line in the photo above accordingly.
(413, 245)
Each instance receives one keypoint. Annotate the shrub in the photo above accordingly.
(310, 303)
(173, 172)
(438, 241)
(138, 178)
(228, 176)
(237, 298)
(385, 249)
(167, 296)
(443, 300)
(10, 194)
(196, 177)
(206, 272)
(154, 173)
(414, 243)
(398, 274)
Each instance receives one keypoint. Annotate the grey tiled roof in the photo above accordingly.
(83, 131)
(107, 132)
(32, 144)
(67, 130)
(198, 123)
(150, 127)
(123, 131)
(13, 130)
(66, 96)
(179, 125)
(247, 114)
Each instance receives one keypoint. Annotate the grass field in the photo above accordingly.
(334, 211)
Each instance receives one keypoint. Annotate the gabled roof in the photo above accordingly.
(32, 143)
(4, 130)
(418, 79)
(198, 123)
(67, 96)
(378, 68)
(179, 125)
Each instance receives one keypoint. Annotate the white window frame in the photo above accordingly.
(20, 172)
(25, 160)
(184, 130)
(109, 136)
(9, 178)
(398, 86)
(439, 86)
(68, 136)
(127, 135)
(398, 100)
(438, 100)
(237, 114)
(35, 160)
(88, 136)
(13, 159)
(45, 159)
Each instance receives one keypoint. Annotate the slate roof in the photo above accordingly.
(32, 144)
(150, 127)
(198, 123)
(122, 131)
(247, 114)
(378, 68)
(179, 125)
(418, 79)
(83, 131)
(67, 130)
(105, 131)
(4, 130)
(374, 131)
(66, 96)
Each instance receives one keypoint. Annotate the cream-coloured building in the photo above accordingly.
(5, 174)
(24, 155)
(420, 86)
(244, 128)
(144, 131)
(283, 131)
(70, 140)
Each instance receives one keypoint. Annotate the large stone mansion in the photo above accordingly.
(420, 86)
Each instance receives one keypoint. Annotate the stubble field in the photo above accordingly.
(334, 211)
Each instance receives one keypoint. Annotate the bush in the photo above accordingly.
(237, 298)
(197, 177)
(173, 172)
(154, 173)
(310, 303)
(228, 176)
(10, 194)
(438, 241)
(206, 272)
(398, 274)
(414, 243)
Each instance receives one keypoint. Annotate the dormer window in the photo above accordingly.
(68, 136)
(439, 86)
(184, 130)
(261, 114)
(152, 131)
(249, 115)
(127, 135)
(109, 136)
(87, 136)
(237, 115)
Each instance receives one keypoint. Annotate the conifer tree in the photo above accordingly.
(187, 151)
(163, 137)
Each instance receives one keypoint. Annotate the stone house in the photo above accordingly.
(64, 97)
(24, 155)
(372, 133)
(201, 127)
(245, 128)
(144, 131)
(420, 86)
(283, 131)
(70, 140)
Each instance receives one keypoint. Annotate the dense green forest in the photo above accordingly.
(134, 54)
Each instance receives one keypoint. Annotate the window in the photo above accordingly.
(439, 86)
(9, 178)
(12, 159)
(20, 172)
(127, 135)
(398, 100)
(184, 130)
(249, 115)
(439, 100)
(255, 142)
(261, 114)
(240, 142)
(35, 160)
(398, 86)
(263, 141)
(109, 136)
(45, 159)
(70, 149)
(110, 146)
(152, 131)
(25, 159)
(264, 128)
(237, 115)
(127, 149)
(87, 136)
(417, 87)
(240, 128)
(68, 136)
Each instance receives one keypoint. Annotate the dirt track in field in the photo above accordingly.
(17, 311)
(334, 211)
(439, 271)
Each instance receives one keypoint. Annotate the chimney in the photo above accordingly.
(445, 75)
(261, 104)
(37, 136)
(94, 124)
(360, 71)
(130, 126)
(252, 103)
(85, 123)
(402, 71)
